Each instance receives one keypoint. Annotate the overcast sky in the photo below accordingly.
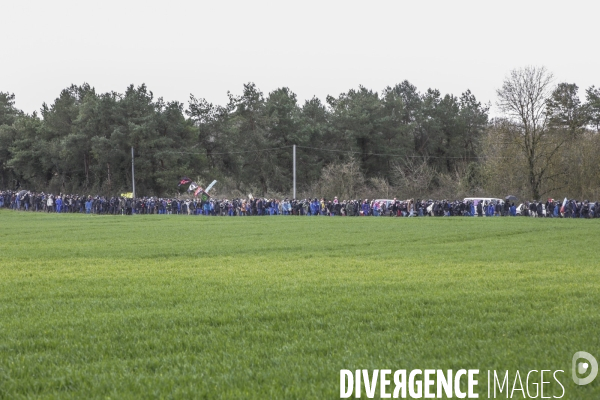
(315, 48)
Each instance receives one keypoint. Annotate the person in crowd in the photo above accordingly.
(50, 204)
(365, 208)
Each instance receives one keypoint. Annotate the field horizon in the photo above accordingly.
(166, 306)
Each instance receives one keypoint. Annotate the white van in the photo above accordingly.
(387, 202)
(476, 200)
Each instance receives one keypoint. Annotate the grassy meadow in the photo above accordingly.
(272, 308)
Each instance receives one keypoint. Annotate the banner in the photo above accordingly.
(127, 195)
(193, 186)
(210, 186)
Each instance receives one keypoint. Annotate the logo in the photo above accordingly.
(580, 368)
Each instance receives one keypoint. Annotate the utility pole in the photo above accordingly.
(294, 152)
(132, 172)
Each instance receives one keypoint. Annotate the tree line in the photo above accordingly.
(398, 141)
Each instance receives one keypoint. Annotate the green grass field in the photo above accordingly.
(274, 307)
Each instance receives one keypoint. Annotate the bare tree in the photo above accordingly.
(523, 99)
(341, 179)
(414, 177)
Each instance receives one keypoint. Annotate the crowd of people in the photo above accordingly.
(64, 203)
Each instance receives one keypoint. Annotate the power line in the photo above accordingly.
(319, 149)
(380, 154)
(221, 153)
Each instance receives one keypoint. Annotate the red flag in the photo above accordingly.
(184, 181)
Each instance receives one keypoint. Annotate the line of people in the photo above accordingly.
(61, 203)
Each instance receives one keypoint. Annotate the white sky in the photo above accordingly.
(313, 47)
